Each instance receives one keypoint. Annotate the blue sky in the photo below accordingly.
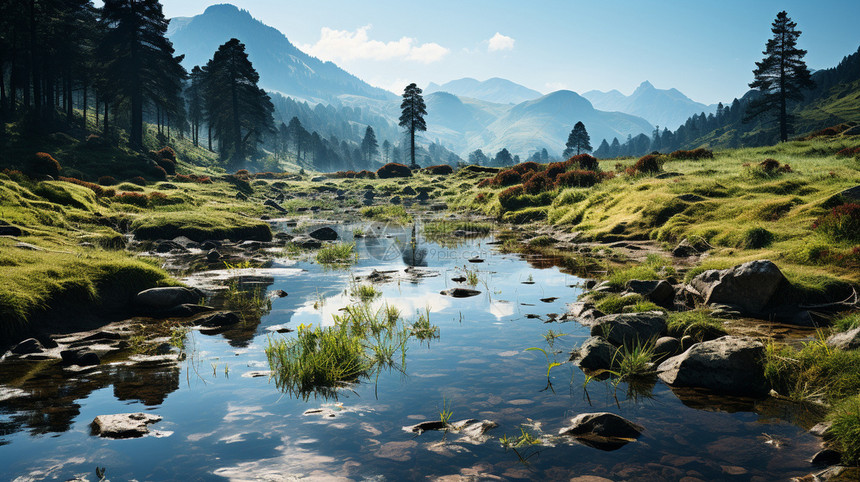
(705, 49)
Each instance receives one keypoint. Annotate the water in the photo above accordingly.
(220, 425)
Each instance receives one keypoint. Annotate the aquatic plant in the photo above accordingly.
(634, 361)
(550, 337)
(814, 371)
(337, 254)
(422, 328)
(445, 413)
(250, 303)
(472, 278)
(363, 292)
(524, 439)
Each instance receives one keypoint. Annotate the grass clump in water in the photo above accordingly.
(337, 254)
(250, 303)
(696, 323)
(813, 372)
(422, 328)
(634, 361)
(390, 213)
(364, 292)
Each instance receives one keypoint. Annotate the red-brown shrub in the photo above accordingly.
(441, 169)
(168, 166)
(648, 164)
(769, 165)
(183, 178)
(134, 198)
(166, 153)
(841, 223)
(159, 173)
(525, 167)
(695, 154)
(42, 164)
(365, 174)
(393, 169)
(585, 162)
(343, 174)
(849, 151)
(98, 190)
(577, 178)
(138, 180)
(107, 180)
(538, 183)
(243, 174)
(508, 196)
(507, 177)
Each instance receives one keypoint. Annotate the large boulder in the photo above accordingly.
(27, 347)
(602, 430)
(727, 365)
(584, 312)
(849, 340)
(460, 292)
(156, 299)
(123, 425)
(630, 329)
(324, 234)
(749, 286)
(660, 291)
(595, 354)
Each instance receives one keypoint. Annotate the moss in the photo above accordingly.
(200, 226)
(696, 323)
(615, 303)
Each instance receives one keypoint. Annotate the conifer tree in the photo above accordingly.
(577, 140)
(369, 146)
(781, 76)
(412, 117)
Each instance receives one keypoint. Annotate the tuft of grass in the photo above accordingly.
(250, 303)
(813, 371)
(634, 361)
(847, 322)
(524, 439)
(846, 429)
(696, 323)
(445, 413)
(364, 292)
(654, 267)
(422, 328)
(390, 213)
(616, 303)
(756, 238)
(337, 254)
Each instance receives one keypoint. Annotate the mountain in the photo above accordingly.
(499, 91)
(666, 108)
(282, 67)
(546, 122)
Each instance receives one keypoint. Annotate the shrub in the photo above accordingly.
(508, 197)
(849, 151)
(242, 173)
(42, 164)
(441, 169)
(161, 199)
(648, 164)
(183, 178)
(343, 174)
(138, 180)
(507, 177)
(393, 169)
(841, 223)
(577, 179)
(538, 183)
(98, 190)
(694, 155)
(168, 166)
(166, 153)
(134, 198)
(756, 238)
(107, 180)
(525, 167)
(159, 173)
(365, 174)
(585, 162)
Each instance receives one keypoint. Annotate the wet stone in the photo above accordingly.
(460, 292)
(28, 346)
(123, 425)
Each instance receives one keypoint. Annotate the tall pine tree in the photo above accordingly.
(369, 146)
(578, 140)
(781, 75)
(412, 115)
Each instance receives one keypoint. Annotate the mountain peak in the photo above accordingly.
(222, 8)
(645, 86)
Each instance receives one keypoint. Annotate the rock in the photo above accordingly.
(585, 313)
(660, 292)
(422, 427)
(460, 292)
(218, 320)
(7, 230)
(459, 279)
(630, 328)
(408, 191)
(279, 294)
(165, 298)
(213, 255)
(438, 206)
(749, 286)
(184, 311)
(849, 340)
(821, 429)
(210, 244)
(684, 250)
(395, 200)
(851, 194)
(307, 242)
(666, 347)
(595, 354)
(123, 425)
(727, 365)
(826, 457)
(79, 358)
(168, 246)
(324, 234)
(272, 204)
(602, 430)
(476, 260)
(318, 179)
(474, 430)
(27, 347)
(250, 245)
(369, 195)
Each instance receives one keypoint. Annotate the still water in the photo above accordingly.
(218, 424)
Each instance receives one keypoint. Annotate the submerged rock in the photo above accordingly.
(307, 242)
(602, 430)
(460, 292)
(750, 285)
(630, 328)
(727, 365)
(80, 358)
(123, 425)
(422, 427)
(221, 319)
(595, 354)
(155, 299)
(324, 234)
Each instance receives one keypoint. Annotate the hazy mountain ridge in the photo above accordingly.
(496, 90)
(283, 67)
(664, 107)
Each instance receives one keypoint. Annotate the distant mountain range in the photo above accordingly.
(666, 108)
(500, 91)
(283, 67)
(463, 115)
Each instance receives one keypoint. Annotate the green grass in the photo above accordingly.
(523, 440)
(434, 229)
(364, 292)
(696, 323)
(337, 253)
(654, 267)
(616, 303)
(390, 213)
(200, 225)
(846, 429)
(250, 303)
(634, 361)
(847, 322)
(813, 371)
(422, 328)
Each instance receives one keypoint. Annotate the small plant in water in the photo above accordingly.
(445, 413)
(550, 337)
(337, 254)
(422, 328)
(472, 278)
(363, 292)
(250, 304)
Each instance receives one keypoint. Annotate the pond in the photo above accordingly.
(219, 422)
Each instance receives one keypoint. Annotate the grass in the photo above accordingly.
(433, 229)
(422, 328)
(364, 292)
(616, 303)
(813, 371)
(250, 303)
(524, 439)
(847, 322)
(654, 267)
(445, 413)
(846, 429)
(337, 254)
(696, 323)
(390, 213)
(200, 225)
(635, 361)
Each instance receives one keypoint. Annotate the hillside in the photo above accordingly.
(283, 67)
(661, 107)
(496, 90)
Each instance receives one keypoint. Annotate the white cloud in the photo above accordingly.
(344, 45)
(500, 42)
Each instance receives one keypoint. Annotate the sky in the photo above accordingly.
(707, 50)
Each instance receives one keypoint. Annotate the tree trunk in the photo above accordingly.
(106, 119)
(34, 68)
(209, 127)
(84, 103)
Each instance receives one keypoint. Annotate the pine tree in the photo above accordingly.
(195, 102)
(138, 61)
(369, 146)
(781, 76)
(577, 140)
(386, 150)
(246, 112)
(603, 150)
(412, 117)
